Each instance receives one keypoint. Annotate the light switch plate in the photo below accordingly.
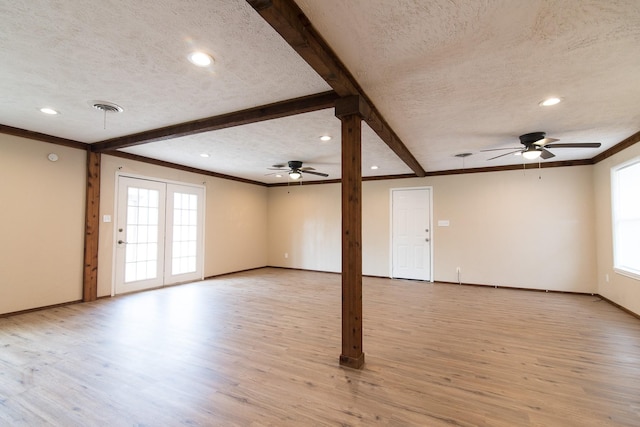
(106, 218)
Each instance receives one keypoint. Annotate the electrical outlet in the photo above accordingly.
(606, 277)
(458, 270)
(286, 255)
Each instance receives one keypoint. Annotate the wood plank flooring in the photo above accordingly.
(261, 348)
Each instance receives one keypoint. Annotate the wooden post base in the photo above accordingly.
(351, 362)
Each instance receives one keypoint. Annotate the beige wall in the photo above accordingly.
(304, 222)
(620, 289)
(235, 219)
(506, 228)
(41, 224)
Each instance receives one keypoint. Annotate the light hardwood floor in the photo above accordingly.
(261, 348)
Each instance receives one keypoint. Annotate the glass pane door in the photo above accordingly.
(159, 234)
(140, 234)
(185, 208)
(141, 250)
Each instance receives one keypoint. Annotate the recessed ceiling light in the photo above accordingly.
(49, 111)
(550, 101)
(204, 155)
(325, 138)
(374, 167)
(200, 59)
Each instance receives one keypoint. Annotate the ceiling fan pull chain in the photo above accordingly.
(539, 168)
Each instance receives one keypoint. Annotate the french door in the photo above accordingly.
(411, 233)
(159, 234)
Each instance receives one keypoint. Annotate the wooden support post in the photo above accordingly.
(92, 223)
(351, 110)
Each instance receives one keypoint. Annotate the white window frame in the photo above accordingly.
(625, 270)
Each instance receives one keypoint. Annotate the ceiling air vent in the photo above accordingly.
(106, 107)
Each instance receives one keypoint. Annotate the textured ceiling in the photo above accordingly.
(249, 150)
(134, 53)
(460, 76)
(449, 76)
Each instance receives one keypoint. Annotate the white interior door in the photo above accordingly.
(140, 234)
(411, 233)
(159, 234)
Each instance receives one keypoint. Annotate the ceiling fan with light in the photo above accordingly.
(536, 145)
(295, 170)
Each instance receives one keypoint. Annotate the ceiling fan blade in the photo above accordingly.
(314, 173)
(307, 168)
(502, 155)
(498, 149)
(273, 173)
(544, 141)
(576, 145)
(546, 154)
(277, 169)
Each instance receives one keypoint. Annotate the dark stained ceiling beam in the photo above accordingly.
(289, 21)
(276, 110)
(176, 166)
(294, 27)
(23, 133)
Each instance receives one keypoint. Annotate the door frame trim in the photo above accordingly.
(114, 237)
(431, 239)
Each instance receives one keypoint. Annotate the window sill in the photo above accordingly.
(627, 273)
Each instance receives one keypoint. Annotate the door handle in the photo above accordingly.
(121, 242)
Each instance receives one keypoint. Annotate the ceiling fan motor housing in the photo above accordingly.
(295, 164)
(529, 138)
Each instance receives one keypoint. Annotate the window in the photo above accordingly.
(625, 191)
